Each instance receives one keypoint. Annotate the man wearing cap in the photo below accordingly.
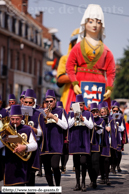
(56, 122)
(3, 114)
(36, 122)
(17, 171)
(121, 130)
(80, 133)
(12, 101)
(100, 141)
(22, 97)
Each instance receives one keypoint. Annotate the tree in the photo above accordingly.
(121, 84)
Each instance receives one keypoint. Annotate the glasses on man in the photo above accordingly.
(47, 101)
(11, 102)
(26, 102)
(115, 111)
(95, 111)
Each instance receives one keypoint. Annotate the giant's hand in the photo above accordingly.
(107, 94)
(77, 89)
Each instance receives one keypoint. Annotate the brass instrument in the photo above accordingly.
(78, 121)
(48, 111)
(6, 130)
(26, 122)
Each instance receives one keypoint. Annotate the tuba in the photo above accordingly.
(6, 130)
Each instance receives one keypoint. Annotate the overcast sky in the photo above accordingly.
(66, 18)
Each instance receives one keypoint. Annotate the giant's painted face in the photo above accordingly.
(93, 27)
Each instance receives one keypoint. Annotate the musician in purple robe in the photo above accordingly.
(80, 133)
(12, 101)
(100, 145)
(110, 128)
(122, 132)
(56, 122)
(22, 97)
(17, 171)
(3, 114)
(37, 124)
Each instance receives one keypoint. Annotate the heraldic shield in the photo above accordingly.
(92, 92)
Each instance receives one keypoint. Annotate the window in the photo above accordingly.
(23, 63)
(2, 59)
(30, 64)
(10, 23)
(23, 29)
(14, 23)
(17, 61)
(35, 65)
(2, 19)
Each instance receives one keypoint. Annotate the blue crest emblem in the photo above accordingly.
(92, 92)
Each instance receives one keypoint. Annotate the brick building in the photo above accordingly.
(22, 49)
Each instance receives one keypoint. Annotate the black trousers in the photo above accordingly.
(83, 160)
(52, 161)
(94, 166)
(113, 158)
(104, 166)
(119, 157)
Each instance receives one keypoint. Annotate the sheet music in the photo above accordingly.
(27, 110)
(76, 107)
(42, 111)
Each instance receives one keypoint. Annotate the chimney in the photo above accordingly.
(40, 17)
(25, 6)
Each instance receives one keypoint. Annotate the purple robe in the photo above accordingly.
(54, 134)
(4, 112)
(38, 119)
(100, 142)
(17, 171)
(122, 134)
(79, 136)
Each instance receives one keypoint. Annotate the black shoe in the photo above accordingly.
(77, 187)
(118, 169)
(39, 174)
(83, 187)
(90, 185)
(113, 171)
(108, 182)
(102, 181)
(94, 186)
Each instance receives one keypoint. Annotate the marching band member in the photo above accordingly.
(100, 140)
(111, 151)
(22, 97)
(36, 123)
(79, 141)
(56, 122)
(12, 101)
(17, 171)
(3, 114)
(122, 132)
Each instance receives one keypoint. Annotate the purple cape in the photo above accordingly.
(54, 134)
(79, 136)
(17, 171)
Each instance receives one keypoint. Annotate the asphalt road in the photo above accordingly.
(119, 182)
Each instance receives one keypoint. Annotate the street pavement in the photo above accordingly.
(119, 182)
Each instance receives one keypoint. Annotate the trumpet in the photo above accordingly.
(48, 111)
(6, 130)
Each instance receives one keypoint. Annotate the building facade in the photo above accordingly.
(22, 50)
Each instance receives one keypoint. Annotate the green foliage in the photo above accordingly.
(121, 84)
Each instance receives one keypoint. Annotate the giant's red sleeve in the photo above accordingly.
(110, 70)
(71, 63)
